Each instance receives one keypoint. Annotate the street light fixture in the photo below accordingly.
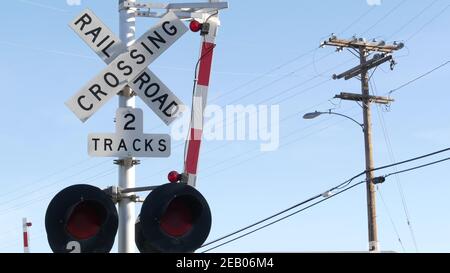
(316, 114)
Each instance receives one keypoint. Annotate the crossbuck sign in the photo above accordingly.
(127, 66)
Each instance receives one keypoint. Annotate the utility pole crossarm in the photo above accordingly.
(359, 97)
(361, 43)
(356, 71)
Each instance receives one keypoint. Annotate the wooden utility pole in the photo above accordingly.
(364, 50)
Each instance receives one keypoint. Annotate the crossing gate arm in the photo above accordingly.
(182, 10)
(199, 100)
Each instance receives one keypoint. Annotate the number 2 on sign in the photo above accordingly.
(130, 122)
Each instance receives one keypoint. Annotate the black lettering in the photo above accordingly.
(171, 31)
(82, 106)
(144, 78)
(162, 145)
(122, 145)
(95, 143)
(105, 50)
(149, 87)
(122, 67)
(107, 142)
(147, 48)
(154, 40)
(162, 99)
(104, 40)
(108, 76)
(131, 121)
(148, 145)
(134, 145)
(95, 32)
(171, 107)
(96, 92)
(85, 20)
(137, 56)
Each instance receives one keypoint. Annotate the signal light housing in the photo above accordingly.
(174, 218)
(84, 214)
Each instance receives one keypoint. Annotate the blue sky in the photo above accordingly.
(43, 63)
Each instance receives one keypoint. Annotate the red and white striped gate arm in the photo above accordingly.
(26, 236)
(200, 100)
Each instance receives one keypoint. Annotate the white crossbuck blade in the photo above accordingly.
(127, 66)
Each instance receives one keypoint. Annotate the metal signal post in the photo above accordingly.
(127, 170)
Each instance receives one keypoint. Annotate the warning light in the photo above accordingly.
(174, 177)
(177, 220)
(195, 26)
(82, 214)
(86, 220)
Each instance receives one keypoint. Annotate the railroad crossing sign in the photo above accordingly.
(127, 66)
(129, 140)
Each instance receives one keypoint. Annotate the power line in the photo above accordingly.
(285, 217)
(299, 57)
(399, 239)
(226, 144)
(348, 187)
(51, 184)
(428, 23)
(418, 77)
(411, 160)
(388, 142)
(44, 178)
(413, 19)
(40, 5)
(278, 80)
(418, 167)
(290, 89)
(47, 194)
(397, 178)
(362, 16)
(341, 186)
(286, 144)
(384, 16)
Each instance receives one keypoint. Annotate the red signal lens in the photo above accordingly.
(85, 220)
(195, 26)
(178, 218)
(174, 177)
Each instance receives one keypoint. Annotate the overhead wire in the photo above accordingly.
(347, 188)
(388, 142)
(285, 217)
(435, 17)
(418, 78)
(384, 16)
(391, 220)
(413, 18)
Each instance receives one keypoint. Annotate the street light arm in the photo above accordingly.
(345, 116)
